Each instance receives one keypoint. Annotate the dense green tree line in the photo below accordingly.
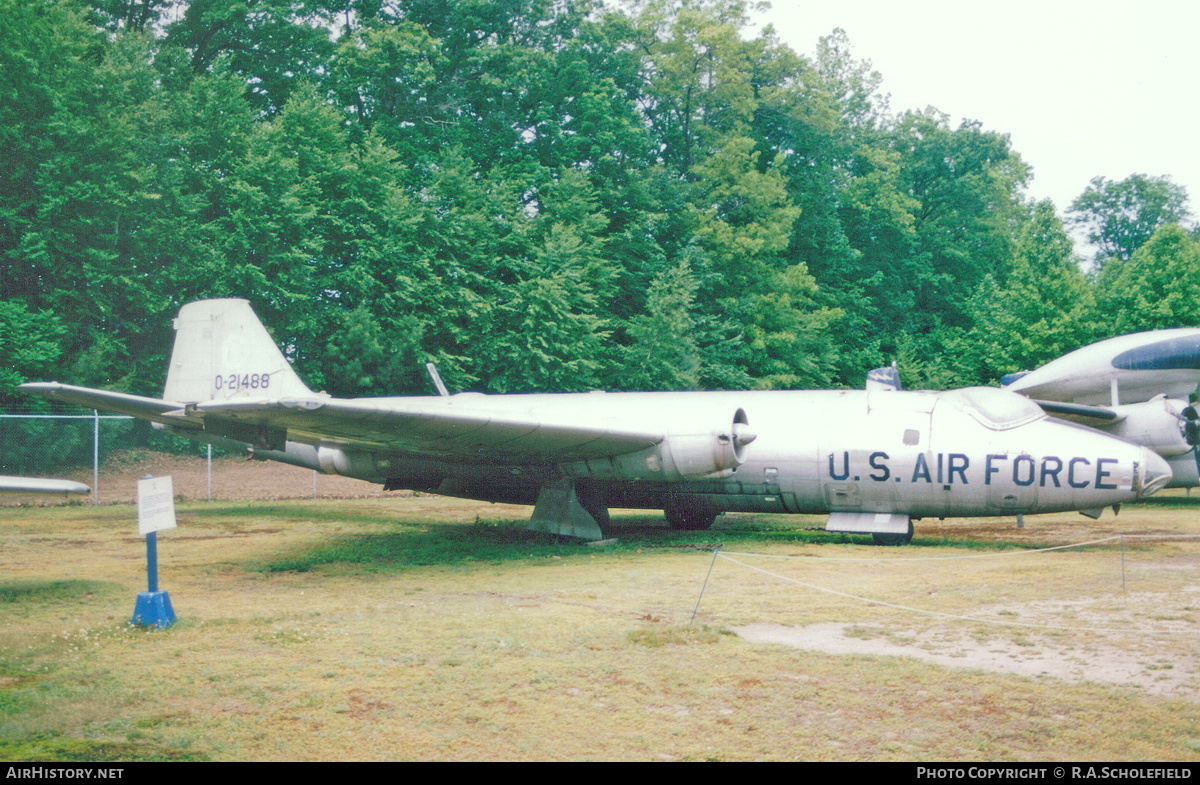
(535, 194)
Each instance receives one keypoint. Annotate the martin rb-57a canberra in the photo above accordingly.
(872, 459)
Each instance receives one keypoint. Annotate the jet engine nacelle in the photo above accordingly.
(360, 465)
(711, 453)
(1168, 426)
(702, 454)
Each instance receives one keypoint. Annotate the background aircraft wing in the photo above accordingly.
(1121, 370)
(38, 485)
(436, 427)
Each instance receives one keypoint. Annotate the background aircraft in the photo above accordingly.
(1138, 387)
(36, 485)
(873, 460)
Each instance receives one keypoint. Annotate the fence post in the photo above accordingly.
(96, 458)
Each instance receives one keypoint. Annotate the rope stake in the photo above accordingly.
(716, 550)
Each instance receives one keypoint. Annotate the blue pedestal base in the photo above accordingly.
(153, 609)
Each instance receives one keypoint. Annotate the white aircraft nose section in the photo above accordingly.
(1156, 473)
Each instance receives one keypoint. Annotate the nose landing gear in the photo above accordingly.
(894, 539)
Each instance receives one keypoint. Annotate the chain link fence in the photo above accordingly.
(111, 453)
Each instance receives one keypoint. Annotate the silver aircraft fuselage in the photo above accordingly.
(871, 459)
(974, 452)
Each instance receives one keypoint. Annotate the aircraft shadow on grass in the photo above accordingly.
(452, 544)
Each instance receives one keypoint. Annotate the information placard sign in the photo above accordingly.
(156, 505)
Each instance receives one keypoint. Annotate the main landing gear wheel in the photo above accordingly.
(690, 518)
(894, 539)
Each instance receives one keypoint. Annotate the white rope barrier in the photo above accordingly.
(894, 560)
(927, 558)
(1161, 536)
(943, 615)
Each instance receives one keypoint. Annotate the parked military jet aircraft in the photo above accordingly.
(1136, 386)
(872, 460)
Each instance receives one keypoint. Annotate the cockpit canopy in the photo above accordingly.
(993, 408)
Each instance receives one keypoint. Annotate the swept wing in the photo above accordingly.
(421, 427)
(437, 427)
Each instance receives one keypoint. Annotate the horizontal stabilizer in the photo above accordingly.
(106, 400)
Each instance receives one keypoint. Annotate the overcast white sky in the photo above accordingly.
(1082, 88)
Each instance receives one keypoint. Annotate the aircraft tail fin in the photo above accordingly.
(223, 352)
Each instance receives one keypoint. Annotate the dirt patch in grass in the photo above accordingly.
(1120, 611)
(1101, 661)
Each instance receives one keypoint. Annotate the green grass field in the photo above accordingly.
(435, 629)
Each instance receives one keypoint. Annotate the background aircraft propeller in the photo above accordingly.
(1190, 427)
